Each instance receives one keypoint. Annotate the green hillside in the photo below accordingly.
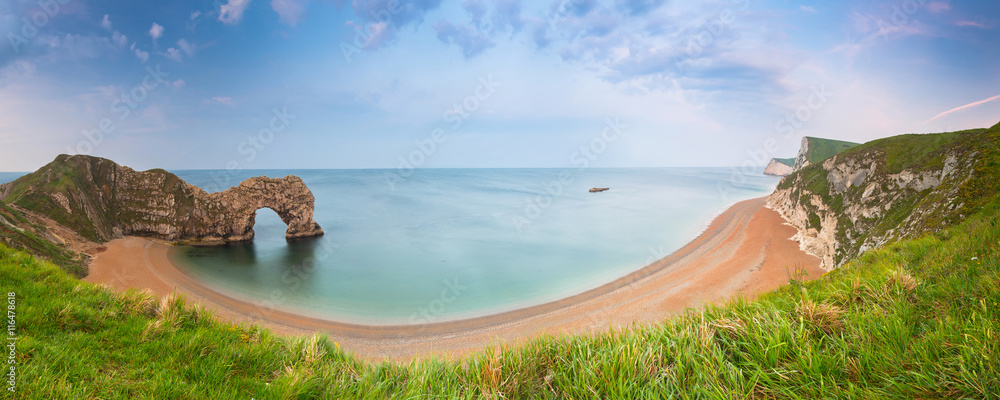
(896, 213)
(823, 149)
(787, 161)
(19, 232)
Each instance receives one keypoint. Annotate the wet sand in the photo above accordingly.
(744, 252)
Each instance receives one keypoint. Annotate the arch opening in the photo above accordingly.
(267, 225)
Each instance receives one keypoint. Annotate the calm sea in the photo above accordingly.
(445, 244)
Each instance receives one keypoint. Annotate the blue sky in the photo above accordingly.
(256, 84)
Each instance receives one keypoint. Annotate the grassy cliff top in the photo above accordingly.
(79, 192)
(823, 149)
(787, 161)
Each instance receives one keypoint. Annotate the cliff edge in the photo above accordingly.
(887, 190)
(780, 167)
(816, 150)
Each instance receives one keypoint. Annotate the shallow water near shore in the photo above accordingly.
(447, 244)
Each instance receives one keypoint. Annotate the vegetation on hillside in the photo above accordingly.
(823, 149)
(914, 319)
(917, 319)
(83, 193)
(895, 212)
(787, 161)
(19, 232)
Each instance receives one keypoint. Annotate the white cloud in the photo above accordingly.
(970, 105)
(178, 83)
(808, 9)
(289, 11)
(143, 55)
(106, 22)
(378, 33)
(193, 20)
(188, 48)
(119, 39)
(232, 12)
(972, 24)
(156, 31)
(174, 54)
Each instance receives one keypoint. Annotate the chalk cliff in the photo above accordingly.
(102, 200)
(887, 190)
(816, 150)
(779, 167)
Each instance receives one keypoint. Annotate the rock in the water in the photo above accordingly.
(102, 200)
(597, 190)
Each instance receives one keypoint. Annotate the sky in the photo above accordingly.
(287, 84)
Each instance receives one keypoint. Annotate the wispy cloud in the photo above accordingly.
(142, 55)
(970, 105)
(174, 54)
(226, 101)
(972, 24)
(938, 7)
(187, 47)
(470, 40)
(232, 12)
(289, 11)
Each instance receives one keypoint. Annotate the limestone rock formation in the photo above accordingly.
(802, 159)
(777, 168)
(102, 200)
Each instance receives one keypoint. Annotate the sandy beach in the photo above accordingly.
(744, 252)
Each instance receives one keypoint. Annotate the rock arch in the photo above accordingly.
(102, 200)
(288, 197)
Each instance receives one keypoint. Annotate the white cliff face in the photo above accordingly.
(776, 168)
(802, 159)
(863, 206)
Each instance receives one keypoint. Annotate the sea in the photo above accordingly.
(435, 245)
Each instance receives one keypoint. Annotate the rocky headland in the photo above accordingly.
(102, 200)
(884, 191)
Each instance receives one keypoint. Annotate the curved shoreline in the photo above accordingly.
(745, 251)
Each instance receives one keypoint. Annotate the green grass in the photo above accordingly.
(905, 213)
(17, 232)
(917, 319)
(912, 151)
(823, 149)
(787, 161)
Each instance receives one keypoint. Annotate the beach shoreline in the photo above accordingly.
(745, 251)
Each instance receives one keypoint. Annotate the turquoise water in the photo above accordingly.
(447, 244)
